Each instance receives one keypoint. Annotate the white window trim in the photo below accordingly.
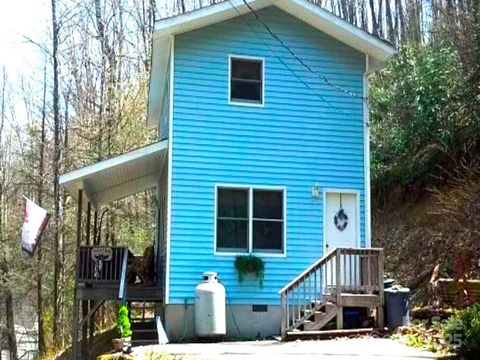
(358, 229)
(241, 103)
(250, 189)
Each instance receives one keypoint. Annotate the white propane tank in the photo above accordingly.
(210, 307)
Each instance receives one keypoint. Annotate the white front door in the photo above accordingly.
(341, 227)
(341, 230)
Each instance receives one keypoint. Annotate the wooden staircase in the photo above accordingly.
(144, 323)
(344, 277)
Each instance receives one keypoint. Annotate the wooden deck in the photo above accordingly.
(132, 293)
(343, 278)
(102, 274)
(106, 278)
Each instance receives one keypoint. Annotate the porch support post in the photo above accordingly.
(95, 220)
(87, 230)
(75, 295)
(91, 303)
(85, 303)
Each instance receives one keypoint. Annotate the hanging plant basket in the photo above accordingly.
(250, 265)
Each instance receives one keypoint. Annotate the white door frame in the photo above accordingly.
(340, 191)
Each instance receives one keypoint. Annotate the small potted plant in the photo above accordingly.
(250, 265)
(123, 330)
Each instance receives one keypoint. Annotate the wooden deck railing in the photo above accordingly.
(342, 270)
(103, 266)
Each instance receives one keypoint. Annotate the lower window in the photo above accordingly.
(250, 220)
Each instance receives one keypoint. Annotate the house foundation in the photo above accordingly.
(243, 322)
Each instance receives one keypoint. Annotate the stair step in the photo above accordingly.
(144, 342)
(144, 335)
(326, 334)
(319, 316)
(307, 325)
(147, 324)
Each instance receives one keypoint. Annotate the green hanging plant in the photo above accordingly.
(123, 322)
(250, 264)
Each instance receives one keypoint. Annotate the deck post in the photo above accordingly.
(86, 303)
(284, 317)
(338, 280)
(91, 303)
(380, 311)
(75, 295)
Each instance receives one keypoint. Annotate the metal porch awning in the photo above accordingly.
(118, 177)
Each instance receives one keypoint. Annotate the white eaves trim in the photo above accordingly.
(117, 177)
(301, 9)
(158, 79)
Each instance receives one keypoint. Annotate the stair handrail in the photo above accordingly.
(303, 296)
(317, 264)
(121, 286)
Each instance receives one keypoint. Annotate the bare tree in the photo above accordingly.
(56, 173)
(40, 192)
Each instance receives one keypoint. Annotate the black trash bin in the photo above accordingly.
(397, 307)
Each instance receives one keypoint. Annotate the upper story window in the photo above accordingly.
(246, 81)
(250, 220)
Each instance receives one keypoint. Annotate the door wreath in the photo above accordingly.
(341, 218)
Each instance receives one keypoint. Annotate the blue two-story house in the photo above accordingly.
(262, 115)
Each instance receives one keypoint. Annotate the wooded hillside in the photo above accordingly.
(88, 103)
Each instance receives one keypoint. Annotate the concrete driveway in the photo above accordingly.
(360, 348)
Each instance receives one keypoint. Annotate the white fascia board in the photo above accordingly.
(303, 10)
(158, 78)
(208, 15)
(81, 174)
(338, 28)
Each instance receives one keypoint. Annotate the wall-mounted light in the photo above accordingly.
(315, 190)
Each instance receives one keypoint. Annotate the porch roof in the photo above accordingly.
(118, 177)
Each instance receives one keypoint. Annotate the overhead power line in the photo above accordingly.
(280, 59)
(303, 63)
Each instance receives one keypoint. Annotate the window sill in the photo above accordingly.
(247, 104)
(259, 254)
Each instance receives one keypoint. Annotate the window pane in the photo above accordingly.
(268, 236)
(246, 69)
(232, 235)
(267, 204)
(232, 203)
(241, 90)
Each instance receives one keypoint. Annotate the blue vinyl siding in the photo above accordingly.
(302, 135)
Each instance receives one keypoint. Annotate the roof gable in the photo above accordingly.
(304, 10)
(377, 49)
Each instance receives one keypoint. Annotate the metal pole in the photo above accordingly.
(87, 230)
(75, 295)
(95, 220)
(91, 303)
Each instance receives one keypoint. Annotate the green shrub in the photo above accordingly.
(415, 101)
(123, 322)
(462, 331)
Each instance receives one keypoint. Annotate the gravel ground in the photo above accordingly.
(359, 348)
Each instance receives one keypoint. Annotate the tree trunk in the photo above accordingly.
(374, 18)
(390, 29)
(401, 21)
(41, 336)
(12, 341)
(363, 15)
(380, 18)
(56, 170)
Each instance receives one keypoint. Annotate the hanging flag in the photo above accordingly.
(34, 223)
